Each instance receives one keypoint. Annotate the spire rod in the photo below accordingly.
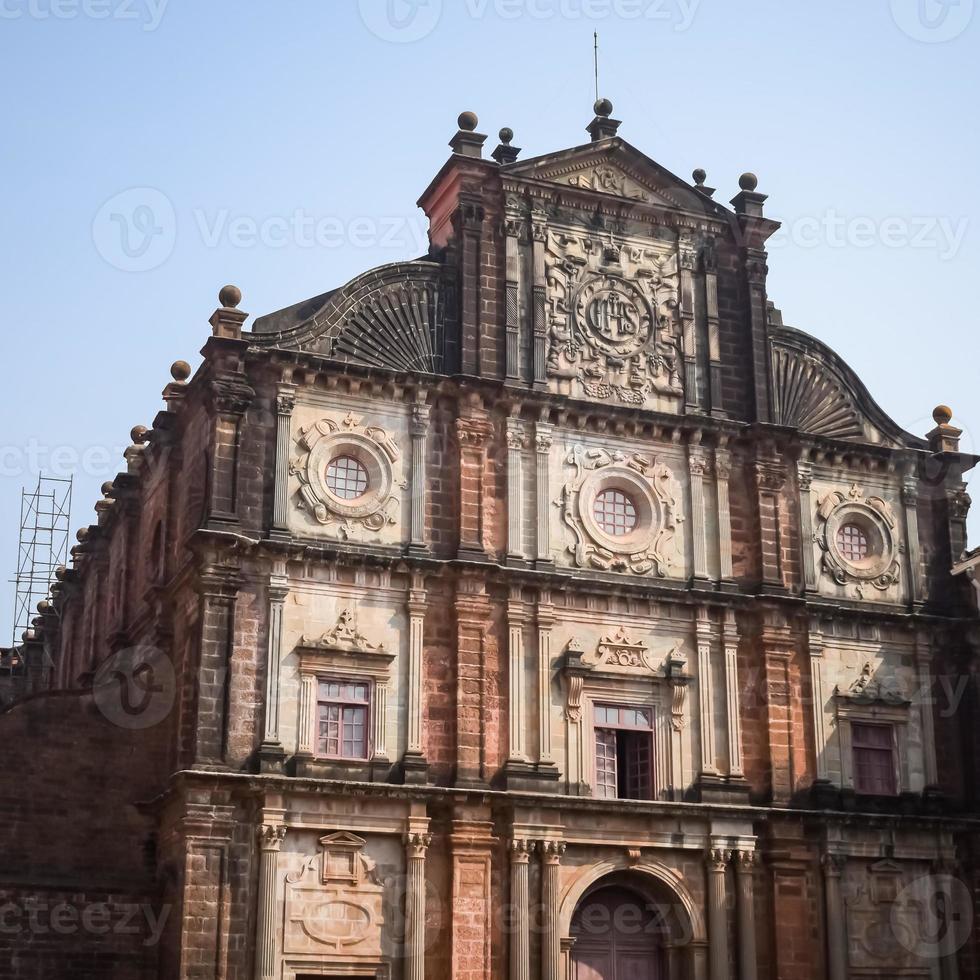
(595, 61)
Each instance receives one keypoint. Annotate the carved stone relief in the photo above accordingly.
(650, 485)
(374, 449)
(613, 326)
(873, 518)
(334, 902)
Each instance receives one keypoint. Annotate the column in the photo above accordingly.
(910, 505)
(709, 263)
(687, 261)
(416, 845)
(833, 866)
(723, 472)
(517, 680)
(380, 706)
(307, 710)
(925, 710)
(271, 751)
(285, 402)
(818, 700)
(718, 858)
(520, 904)
(706, 694)
(804, 478)
(733, 707)
(551, 852)
(745, 909)
(418, 427)
(539, 293)
(513, 231)
(516, 441)
(266, 927)
(472, 433)
(416, 631)
(770, 478)
(698, 463)
(543, 438)
(546, 619)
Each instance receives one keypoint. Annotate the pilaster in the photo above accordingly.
(416, 845)
(516, 443)
(267, 926)
(271, 753)
(543, 440)
(285, 403)
(473, 433)
(551, 852)
(418, 428)
(414, 764)
(717, 867)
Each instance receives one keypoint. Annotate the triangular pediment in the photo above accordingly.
(615, 168)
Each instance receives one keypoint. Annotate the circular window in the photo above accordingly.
(347, 477)
(852, 540)
(614, 512)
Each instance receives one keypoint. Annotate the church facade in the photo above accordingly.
(544, 608)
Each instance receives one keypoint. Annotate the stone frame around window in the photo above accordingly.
(371, 666)
(629, 681)
(850, 710)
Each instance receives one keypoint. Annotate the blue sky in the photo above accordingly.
(282, 147)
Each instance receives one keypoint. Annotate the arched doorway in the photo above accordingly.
(618, 933)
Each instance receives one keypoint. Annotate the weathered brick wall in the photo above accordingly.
(78, 891)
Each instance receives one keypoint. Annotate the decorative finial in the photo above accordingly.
(230, 297)
(505, 153)
(603, 108)
(748, 182)
(138, 434)
(180, 371)
(602, 126)
(81, 534)
(942, 414)
(107, 488)
(699, 176)
(468, 121)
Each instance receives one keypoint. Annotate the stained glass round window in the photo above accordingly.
(346, 477)
(614, 512)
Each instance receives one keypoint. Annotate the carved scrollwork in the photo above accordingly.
(344, 636)
(613, 329)
(373, 448)
(868, 688)
(650, 485)
(875, 519)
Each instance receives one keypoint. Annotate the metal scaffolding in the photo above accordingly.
(45, 522)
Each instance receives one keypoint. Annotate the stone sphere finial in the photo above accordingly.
(138, 434)
(603, 107)
(699, 176)
(180, 371)
(81, 534)
(230, 297)
(468, 121)
(107, 488)
(942, 414)
(506, 135)
(748, 182)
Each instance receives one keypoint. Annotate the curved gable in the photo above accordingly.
(391, 317)
(815, 391)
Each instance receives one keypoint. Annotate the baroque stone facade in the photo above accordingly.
(543, 609)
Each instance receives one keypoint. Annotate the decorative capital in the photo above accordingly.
(516, 436)
(745, 861)
(286, 401)
(770, 477)
(520, 850)
(718, 858)
(473, 433)
(552, 850)
(419, 424)
(271, 836)
(416, 844)
(833, 865)
(697, 462)
(804, 476)
(723, 464)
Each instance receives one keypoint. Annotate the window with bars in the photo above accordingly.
(873, 754)
(623, 752)
(614, 512)
(342, 719)
(853, 542)
(347, 477)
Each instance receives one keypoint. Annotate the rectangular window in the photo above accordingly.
(342, 719)
(873, 748)
(624, 752)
